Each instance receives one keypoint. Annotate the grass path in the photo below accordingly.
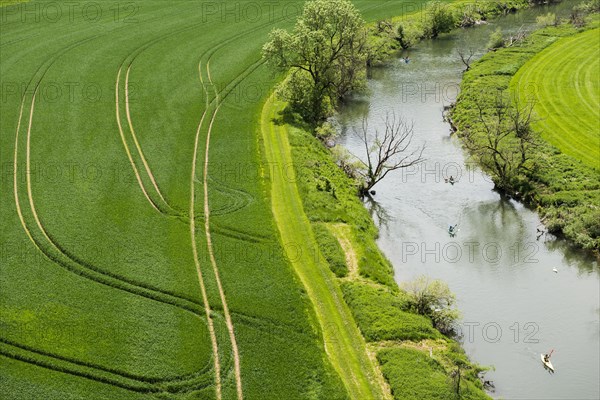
(564, 80)
(342, 233)
(343, 342)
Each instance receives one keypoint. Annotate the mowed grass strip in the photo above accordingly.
(564, 81)
(343, 342)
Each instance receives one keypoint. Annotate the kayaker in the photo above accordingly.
(452, 230)
(546, 357)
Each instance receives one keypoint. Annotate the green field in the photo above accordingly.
(564, 81)
(140, 257)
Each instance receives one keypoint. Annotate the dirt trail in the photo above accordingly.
(342, 233)
(213, 337)
(228, 322)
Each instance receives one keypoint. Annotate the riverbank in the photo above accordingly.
(318, 203)
(397, 340)
(429, 20)
(564, 190)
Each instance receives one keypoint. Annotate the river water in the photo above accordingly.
(514, 305)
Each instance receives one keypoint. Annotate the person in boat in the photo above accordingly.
(450, 180)
(546, 357)
(452, 230)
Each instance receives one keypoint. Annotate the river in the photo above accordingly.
(514, 305)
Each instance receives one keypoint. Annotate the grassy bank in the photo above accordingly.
(328, 198)
(561, 182)
(427, 20)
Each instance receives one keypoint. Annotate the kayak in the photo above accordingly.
(547, 364)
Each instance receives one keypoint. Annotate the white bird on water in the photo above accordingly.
(555, 270)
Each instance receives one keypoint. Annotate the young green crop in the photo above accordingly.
(564, 81)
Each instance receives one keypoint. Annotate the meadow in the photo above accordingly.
(140, 256)
(564, 81)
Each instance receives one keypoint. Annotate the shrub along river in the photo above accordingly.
(514, 305)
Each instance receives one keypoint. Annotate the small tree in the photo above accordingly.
(547, 20)
(381, 42)
(496, 39)
(326, 53)
(466, 55)
(435, 300)
(504, 145)
(388, 151)
(438, 19)
(408, 34)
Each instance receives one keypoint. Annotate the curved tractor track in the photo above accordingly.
(111, 376)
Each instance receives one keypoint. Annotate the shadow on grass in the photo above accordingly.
(288, 117)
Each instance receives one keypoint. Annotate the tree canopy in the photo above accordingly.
(326, 55)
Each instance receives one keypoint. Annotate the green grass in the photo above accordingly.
(564, 189)
(382, 315)
(564, 81)
(330, 249)
(343, 342)
(99, 293)
(415, 376)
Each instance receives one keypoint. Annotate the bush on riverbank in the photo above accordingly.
(565, 190)
(383, 315)
(436, 18)
(414, 375)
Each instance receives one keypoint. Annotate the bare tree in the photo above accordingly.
(505, 136)
(519, 36)
(465, 56)
(387, 151)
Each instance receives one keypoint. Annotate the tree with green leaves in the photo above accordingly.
(435, 300)
(439, 18)
(326, 55)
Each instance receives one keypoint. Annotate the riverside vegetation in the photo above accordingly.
(561, 175)
(399, 333)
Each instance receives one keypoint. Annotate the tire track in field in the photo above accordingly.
(27, 358)
(78, 266)
(228, 321)
(109, 375)
(193, 228)
(21, 217)
(192, 219)
(136, 53)
(127, 150)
